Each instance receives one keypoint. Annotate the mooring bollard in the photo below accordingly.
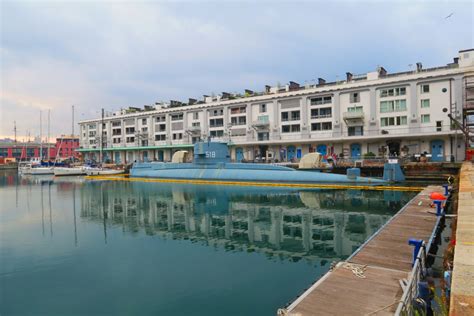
(417, 243)
(446, 189)
(439, 209)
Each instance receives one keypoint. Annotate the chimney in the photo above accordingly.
(348, 77)
(321, 82)
(192, 101)
(382, 72)
(294, 86)
(419, 67)
(267, 89)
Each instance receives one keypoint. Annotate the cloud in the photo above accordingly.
(115, 54)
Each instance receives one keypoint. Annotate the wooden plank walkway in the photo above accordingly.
(387, 258)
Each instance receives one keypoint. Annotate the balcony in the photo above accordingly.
(353, 118)
(261, 123)
(194, 130)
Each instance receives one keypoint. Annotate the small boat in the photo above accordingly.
(72, 171)
(102, 171)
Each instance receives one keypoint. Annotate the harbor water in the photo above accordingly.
(70, 246)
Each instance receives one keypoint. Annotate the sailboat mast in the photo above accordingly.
(47, 142)
(41, 137)
(72, 121)
(101, 136)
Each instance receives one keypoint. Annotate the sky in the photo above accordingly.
(115, 54)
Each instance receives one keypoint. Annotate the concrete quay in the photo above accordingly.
(462, 284)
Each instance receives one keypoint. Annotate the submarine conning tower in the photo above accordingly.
(211, 153)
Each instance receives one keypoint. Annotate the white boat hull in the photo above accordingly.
(102, 172)
(41, 170)
(75, 171)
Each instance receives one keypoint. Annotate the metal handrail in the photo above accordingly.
(410, 292)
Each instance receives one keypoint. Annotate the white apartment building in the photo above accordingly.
(380, 113)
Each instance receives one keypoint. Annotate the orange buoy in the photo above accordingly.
(436, 196)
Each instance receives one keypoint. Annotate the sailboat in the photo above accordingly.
(101, 170)
(70, 171)
(42, 170)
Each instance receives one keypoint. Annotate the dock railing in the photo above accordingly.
(410, 288)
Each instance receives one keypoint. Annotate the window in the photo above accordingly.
(130, 139)
(326, 126)
(216, 122)
(160, 118)
(393, 121)
(217, 112)
(196, 116)
(393, 106)
(321, 100)
(129, 130)
(425, 118)
(439, 126)
(162, 127)
(117, 131)
(425, 88)
(160, 137)
(144, 142)
(321, 113)
(290, 128)
(117, 123)
(218, 133)
(177, 117)
(116, 140)
(238, 120)
(355, 97)
(177, 136)
(91, 126)
(92, 134)
(144, 121)
(238, 110)
(355, 131)
(144, 129)
(355, 109)
(196, 124)
(290, 116)
(263, 136)
(392, 92)
(295, 115)
(425, 103)
(263, 108)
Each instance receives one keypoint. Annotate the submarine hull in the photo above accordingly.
(242, 172)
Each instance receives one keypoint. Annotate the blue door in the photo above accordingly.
(117, 157)
(298, 153)
(239, 154)
(145, 156)
(355, 150)
(322, 149)
(291, 152)
(160, 155)
(437, 150)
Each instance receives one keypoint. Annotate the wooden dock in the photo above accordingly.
(368, 282)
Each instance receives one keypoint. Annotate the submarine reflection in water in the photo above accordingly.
(295, 223)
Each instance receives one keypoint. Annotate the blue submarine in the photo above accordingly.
(212, 163)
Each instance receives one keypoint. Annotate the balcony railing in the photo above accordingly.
(357, 115)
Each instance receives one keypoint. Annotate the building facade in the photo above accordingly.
(378, 114)
(65, 147)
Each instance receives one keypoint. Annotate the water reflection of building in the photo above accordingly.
(319, 224)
